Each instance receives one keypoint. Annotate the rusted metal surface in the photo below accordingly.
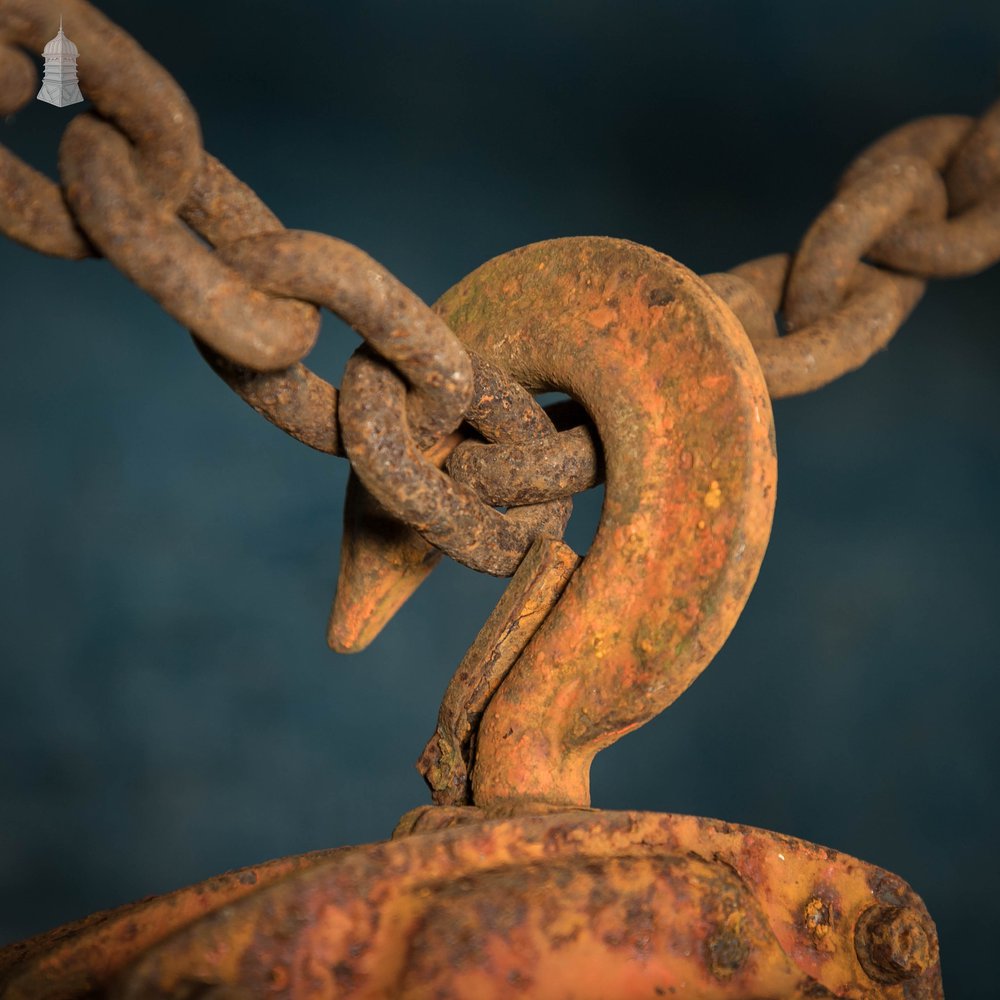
(533, 471)
(80, 959)
(375, 424)
(127, 88)
(392, 319)
(965, 239)
(863, 322)
(893, 943)
(222, 209)
(974, 168)
(141, 215)
(295, 399)
(847, 229)
(533, 591)
(678, 400)
(151, 246)
(754, 311)
(382, 562)
(574, 904)
(498, 889)
(679, 403)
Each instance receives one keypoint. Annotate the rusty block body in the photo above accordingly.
(577, 904)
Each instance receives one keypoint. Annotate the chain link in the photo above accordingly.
(450, 515)
(925, 194)
(138, 188)
(128, 88)
(686, 422)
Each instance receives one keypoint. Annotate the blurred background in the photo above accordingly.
(168, 707)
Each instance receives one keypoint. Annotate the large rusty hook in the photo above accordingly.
(672, 384)
(583, 904)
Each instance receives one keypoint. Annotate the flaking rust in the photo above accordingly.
(512, 886)
(575, 904)
(673, 387)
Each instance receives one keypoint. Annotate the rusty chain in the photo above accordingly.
(138, 188)
(451, 387)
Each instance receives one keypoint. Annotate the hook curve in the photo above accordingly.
(672, 383)
(666, 372)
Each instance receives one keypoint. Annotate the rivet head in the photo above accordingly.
(894, 943)
(817, 918)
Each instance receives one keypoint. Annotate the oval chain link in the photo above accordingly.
(137, 186)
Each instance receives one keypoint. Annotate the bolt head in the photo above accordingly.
(894, 943)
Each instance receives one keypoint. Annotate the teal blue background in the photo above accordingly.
(168, 707)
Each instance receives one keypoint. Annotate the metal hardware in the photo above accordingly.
(583, 904)
(576, 655)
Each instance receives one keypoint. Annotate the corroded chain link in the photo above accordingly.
(138, 188)
(578, 652)
(923, 201)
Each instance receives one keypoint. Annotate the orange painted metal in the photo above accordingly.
(80, 959)
(576, 904)
(533, 591)
(382, 562)
(669, 378)
(522, 892)
(499, 890)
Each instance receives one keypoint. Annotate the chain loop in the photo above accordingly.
(933, 138)
(922, 201)
(847, 228)
(164, 133)
(149, 244)
(394, 321)
(447, 513)
(530, 471)
(874, 306)
(975, 166)
(222, 209)
(968, 154)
